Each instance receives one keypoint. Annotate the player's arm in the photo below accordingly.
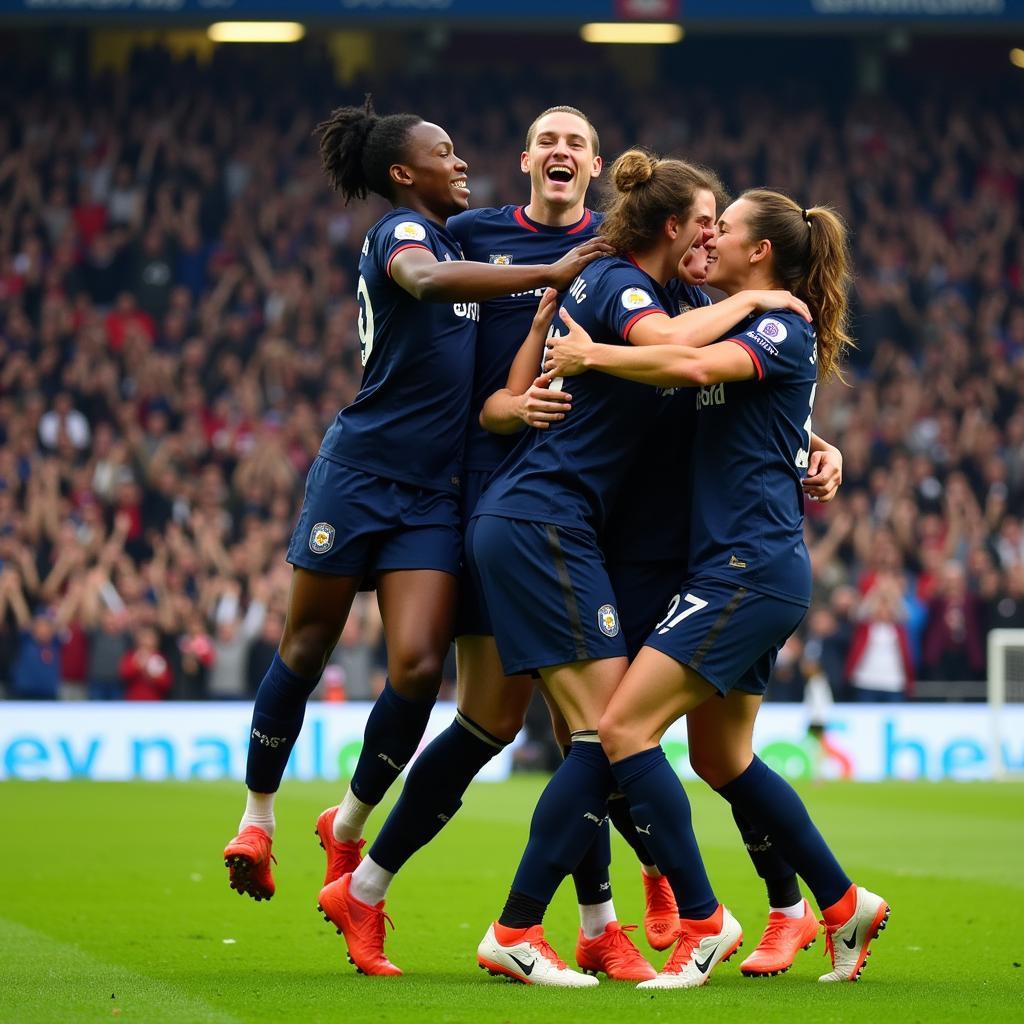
(429, 279)
(525, 400)
(702, 326)
(671, 365)
(824, 470)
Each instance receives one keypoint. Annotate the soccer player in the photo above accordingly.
(645, 546)
(562, 158)
(543, 512)
(750, 579)
(381, 499)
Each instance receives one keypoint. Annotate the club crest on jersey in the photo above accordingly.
(499, 259)
(607, 620)
(636, 298)
(321, 538)
(772, 330)
(409, 230)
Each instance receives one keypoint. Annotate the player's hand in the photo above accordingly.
(566, 355)
(764, 301)
(540, 407)
(564, 272)
(824, 475)
(545, 312)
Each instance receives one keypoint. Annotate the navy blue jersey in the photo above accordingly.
(506, 236)
(417, 366)
(650, 520)
(751, 449)
(569, 473)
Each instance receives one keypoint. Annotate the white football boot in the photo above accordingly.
(701, 947)
(848, 943)
(529, 959)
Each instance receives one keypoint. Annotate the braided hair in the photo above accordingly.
(358, 148)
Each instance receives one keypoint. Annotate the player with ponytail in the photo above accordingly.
(749, 580)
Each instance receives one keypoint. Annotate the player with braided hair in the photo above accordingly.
(382, 498)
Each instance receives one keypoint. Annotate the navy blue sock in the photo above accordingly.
(276, 720)
(394, 729)
(770, 803)
(591, 877)
(779, 878)
(570, 810)
(618, 814)
(433, 790)
(661, 811)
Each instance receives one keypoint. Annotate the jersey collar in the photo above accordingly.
(519, 214)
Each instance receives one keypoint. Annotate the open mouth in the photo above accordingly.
(560, 173)
(461, 185)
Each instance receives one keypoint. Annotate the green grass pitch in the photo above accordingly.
(115, 906)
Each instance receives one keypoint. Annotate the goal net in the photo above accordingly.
(1005, 686)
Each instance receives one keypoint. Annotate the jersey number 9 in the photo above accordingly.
(365, 321)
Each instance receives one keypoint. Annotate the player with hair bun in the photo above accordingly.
(749, 580)
(382, 499)
(545, 509)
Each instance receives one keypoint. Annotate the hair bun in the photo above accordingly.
(632, 169)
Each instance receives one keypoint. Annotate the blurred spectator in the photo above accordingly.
(954, 647)
(144, 670)
(879, 665)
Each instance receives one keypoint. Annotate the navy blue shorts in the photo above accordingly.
(728, 635)
(471, 618)
(644, 590)
(357, 524)
(547, 593)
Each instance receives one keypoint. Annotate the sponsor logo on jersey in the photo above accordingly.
(636, 298)
(736, 563)
(772, 330)
(499, 259)
(409, 230)
(607, 620)
(468, 310)
(321, 538)
(711, 394)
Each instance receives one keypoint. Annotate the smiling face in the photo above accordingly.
(432, 172)
(560, 160)
(730, 249)
(698, 227)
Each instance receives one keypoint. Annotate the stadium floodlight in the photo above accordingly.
(256, 31)
(1017, 57)
(631, 32)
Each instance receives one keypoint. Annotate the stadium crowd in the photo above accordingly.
(178, 326)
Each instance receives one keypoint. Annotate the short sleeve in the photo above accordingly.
(780, 345)
(626, 298)
(404, 231)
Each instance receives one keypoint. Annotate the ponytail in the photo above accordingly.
(358, 147)
(827, 284)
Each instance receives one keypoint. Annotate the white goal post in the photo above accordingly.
(1005, 686)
